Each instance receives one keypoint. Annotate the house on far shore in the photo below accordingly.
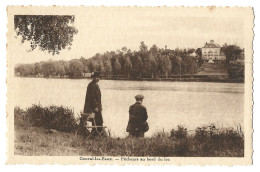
(211, 53)
(39, 75)
(87, 75)
(193, 54)
(17, 74)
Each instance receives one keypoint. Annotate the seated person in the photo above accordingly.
(137, 124)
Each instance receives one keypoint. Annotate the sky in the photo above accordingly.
(110, 30)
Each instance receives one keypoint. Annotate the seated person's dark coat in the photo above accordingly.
(137, 117)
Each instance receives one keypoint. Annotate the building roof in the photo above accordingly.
(211, 45)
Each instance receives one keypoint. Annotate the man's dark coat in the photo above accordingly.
(93, 100)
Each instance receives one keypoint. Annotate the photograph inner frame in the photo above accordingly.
(130, 85)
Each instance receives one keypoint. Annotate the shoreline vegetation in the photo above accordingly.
(56, 131)
(184, 78)
(154, 64)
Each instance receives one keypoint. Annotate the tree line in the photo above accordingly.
(153, 62)
(142, 63)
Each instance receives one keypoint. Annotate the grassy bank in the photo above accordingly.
(35, 138)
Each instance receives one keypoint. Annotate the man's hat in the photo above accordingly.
(139, 97)
(95, 75)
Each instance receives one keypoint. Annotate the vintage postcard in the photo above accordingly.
(130, 85)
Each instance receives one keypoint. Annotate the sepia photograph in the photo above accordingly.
(124, 85)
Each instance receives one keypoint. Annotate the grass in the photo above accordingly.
(206, 141)
(213, 69)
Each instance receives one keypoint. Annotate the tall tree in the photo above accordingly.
(124, 50)
(50, 33)
(232, 52)
(154, 50)
(37, 68)
(198, 52)
(143, 48)
(92, 65)
(66, 66)
(138, 67)
(166, 65)
(147, 66)
(127, 66)
(48, 68)
(190, 50)
(58, 68)
(108, 67)
(76, 68)
(85, 64)
(101, 67)
(154, 64)
(176, 65)
(117, 67)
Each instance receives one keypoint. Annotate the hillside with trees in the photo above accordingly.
(153, 62)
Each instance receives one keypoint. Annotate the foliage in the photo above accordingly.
(107, 67)
(20, 117)
(211, 139)
(146, 62)
(165, 65)
(52, 117)
(138, 66)
(232, 52)
(181, 133)
(127, 66)
(76, 68)
(117, 67)
(199, 52)
(206, 141)
(50, 33)
(236, 69)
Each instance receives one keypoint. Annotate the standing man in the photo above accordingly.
(137, 124)
(93, 102)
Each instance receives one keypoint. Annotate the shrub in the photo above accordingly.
(182, 148)
(236, 69)
(181, 133)
(211, 141)
(20, 117)
(53, 117)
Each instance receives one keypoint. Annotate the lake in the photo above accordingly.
(169, 104)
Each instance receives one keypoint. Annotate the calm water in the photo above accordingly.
(169, 104)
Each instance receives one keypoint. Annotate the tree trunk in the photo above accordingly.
(152, 75)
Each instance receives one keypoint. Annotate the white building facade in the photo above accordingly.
(211, 52)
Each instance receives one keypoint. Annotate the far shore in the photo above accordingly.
(184, 78)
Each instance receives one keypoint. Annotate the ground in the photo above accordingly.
(213, 69)
(36, 141)
(39, 141)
